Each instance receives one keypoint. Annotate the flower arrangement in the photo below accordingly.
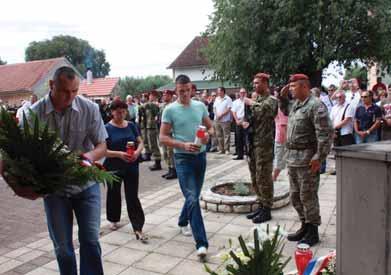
(35, 157)
(262, 257)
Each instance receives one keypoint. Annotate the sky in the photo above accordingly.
(139, 38)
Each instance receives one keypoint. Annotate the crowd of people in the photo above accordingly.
(290, 126)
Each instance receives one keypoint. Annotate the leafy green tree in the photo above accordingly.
(358, 71)
(291, 36)
(78, 51)
(133, 85)
(2, 62)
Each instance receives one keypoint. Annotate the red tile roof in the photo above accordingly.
(23, 76)
(98, 87)
(191, 55)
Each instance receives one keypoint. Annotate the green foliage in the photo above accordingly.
(263, 257)
(241, 188)
(78, 51)
(2, 62)
(48, 171)
(357, 71)
(282, 37)
(133, 85)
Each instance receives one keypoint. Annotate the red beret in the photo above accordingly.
(193, 86)
(297, 77)
(262, 76)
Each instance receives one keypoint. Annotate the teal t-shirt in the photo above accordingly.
(184, 121)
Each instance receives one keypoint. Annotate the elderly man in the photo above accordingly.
(81, 128)
(341, 116)
(238, 115)
(308, 143)
(25, 107)
(132, 109)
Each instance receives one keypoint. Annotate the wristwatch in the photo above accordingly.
(368, 132)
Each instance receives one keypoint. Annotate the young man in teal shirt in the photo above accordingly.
(180, 121)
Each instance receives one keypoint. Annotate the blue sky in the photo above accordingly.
(139, 37)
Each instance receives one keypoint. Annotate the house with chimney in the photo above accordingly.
(193, 63)
(97, 89)
(19, 81)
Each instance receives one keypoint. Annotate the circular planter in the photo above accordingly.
(227, 197)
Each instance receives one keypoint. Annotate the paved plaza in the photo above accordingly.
(168, 252)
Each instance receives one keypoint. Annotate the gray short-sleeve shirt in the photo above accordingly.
(80, 127)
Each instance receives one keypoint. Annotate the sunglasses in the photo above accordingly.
(365, 96)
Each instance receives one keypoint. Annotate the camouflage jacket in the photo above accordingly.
(309, 133)
(261, 116)
(151, 114)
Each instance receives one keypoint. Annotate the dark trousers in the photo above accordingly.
(130, 177)
(240, 141)
(344, 140)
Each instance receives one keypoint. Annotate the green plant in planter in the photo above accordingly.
(263, 257)
(241, 189)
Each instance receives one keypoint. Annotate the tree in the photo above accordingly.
(78, 51)
(291, 36)
(2, 62)
(358, 71)
(133, 86)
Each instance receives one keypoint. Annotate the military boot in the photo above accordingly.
(156, 166)
(166, 174)
(312, 236)
(299, 234)
(171, 174)
(253, 214)
(263, 216)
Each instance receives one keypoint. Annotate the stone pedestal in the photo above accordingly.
(364, 209)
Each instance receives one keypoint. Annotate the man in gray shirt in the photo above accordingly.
(81, 128)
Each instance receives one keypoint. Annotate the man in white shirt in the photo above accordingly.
(25, 107)
(342, 115)
(353, 96)
(238, 115)
(222, 109)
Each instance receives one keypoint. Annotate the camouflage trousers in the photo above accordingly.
(261, 179)
(168, 156)
(304, 187)
(153, 143)
(145, 141)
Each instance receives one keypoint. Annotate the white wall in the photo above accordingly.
(196, 73)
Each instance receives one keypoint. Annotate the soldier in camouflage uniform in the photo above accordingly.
(168, 152)
(309, 138)
(142, 121)
(259, 120)
(151, 114)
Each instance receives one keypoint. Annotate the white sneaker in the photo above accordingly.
(185, 230)
(201, 252)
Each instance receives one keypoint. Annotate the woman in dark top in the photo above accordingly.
(126, 167)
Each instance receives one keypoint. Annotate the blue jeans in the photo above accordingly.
(190, 169)
(59, 215)
(373, 137)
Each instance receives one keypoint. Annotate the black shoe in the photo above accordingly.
(253, 214)
(299, 234)
(214, 150)
(237, 158)
(263, 216)
(166, 174)
(171, 174)
(156, 166)
(312, 236)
